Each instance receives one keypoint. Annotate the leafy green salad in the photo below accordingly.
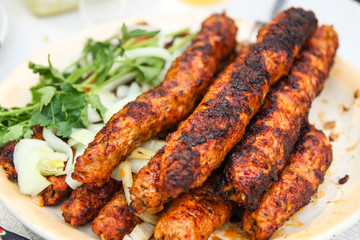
(66, 100)
(73, 104)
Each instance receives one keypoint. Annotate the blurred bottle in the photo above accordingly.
(44, 8)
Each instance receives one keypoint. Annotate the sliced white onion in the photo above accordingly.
(83, 136)
(147, 217)
(122, 91)
(137, 164)
(126, 178)
(118, 106)
(134, 89)
(142, 231)
(80, 149)
(153, 144)
(79, 139)
(56, 143)
(127, 237)
(115, 174)
(149, 52)
(107, 98)
(121, 80)
(93, 115)
(142, 153)
(51, 163)
(95, 128)
(140, 156)
(127, 181)
(29, 155)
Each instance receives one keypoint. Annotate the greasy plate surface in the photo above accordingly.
(334, 208)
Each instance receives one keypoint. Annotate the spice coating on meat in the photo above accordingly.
(202, 141)
(115, 219)
(163, 107)
(7, 160)
(259, 158)
(298, 182)
(57, 191)
(193, 216)
(51, 195)
(86, 201)
(145, 194)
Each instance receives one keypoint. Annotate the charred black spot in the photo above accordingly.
(204, 48)
(289, 32)
(158, 92)
(183, 172)
(138, 111)
(192, 139)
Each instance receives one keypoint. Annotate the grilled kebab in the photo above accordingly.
(115, 219)
(297, 183)
(86, 201)
(58, 189)
(145, 195)
(259, 158)
(202, 141)
(194, 215)
(162, 107)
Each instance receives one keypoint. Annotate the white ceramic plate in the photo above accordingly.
(334, 208)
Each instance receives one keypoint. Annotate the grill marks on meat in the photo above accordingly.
(297, 183)
(163, 107)
(259, 158)
(86, 201)
(115, 219)
(202, 141)
(194, 215)
(145, 194)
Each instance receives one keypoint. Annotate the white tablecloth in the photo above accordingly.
(27, 34)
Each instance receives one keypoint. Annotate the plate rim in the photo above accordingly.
(341, 226)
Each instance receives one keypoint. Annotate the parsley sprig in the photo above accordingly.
(61, 98)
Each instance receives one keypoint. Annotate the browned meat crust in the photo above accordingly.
(7, 161)
(262, 154)
(115, 220)
(193, 216)
(202, 141)
(86, 201)
(7, 151)
(163, 107)
(56, 192)
(145, 195)
(298, 182)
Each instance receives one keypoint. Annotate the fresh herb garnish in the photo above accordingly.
(61, 98)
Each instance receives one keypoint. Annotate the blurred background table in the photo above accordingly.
(27, 33)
